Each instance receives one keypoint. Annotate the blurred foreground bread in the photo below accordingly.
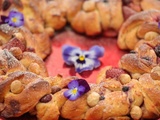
(125, 98)
(128, 92)
(116, 91)
(20, 92)
(22, 83)
(98, 98)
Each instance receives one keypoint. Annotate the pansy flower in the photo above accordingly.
(82, 60)
(158, 20)
(14, 19)
(76, 88)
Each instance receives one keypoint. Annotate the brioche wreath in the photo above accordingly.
(130, 91)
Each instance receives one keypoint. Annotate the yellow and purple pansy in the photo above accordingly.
(14, 19)
(81, 59)
(76, 88)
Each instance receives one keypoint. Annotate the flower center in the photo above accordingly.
(74, 91)
(81, 58)
(14, 19)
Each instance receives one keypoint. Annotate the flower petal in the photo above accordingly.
(85, 84)
(81, 86)
(19, 19)
(82, 69)
(18, 23)
(96, 63)
(70, 50)
(82, 60)
(73, 84)
(4, 19)
(70, 54)
(68, 94)
(88, 65)
(12, 13)
(81, 89)
(96, 52)
(74, 97)
(73, 59)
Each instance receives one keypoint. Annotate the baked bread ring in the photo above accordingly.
(143, 58)
(18, 99)
(118, 94)
(136, 27)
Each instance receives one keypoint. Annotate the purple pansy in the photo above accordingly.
(82, 60)
(158, 20)
(14, 19)
(76, 88)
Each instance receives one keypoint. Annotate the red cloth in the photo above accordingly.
(56, 65)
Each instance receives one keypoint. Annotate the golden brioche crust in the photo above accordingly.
(17, 104)
(24, 75)
(143, 59)
(135, 28)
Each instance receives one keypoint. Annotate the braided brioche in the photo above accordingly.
(14, 95)
(32, 42)
(33, 33)
(134, 98)
(144, 57)
(128, 92)
(86, 107)
(89, 17)
(114, 90)
(15, 60)
(21, 78)
(143, 25)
